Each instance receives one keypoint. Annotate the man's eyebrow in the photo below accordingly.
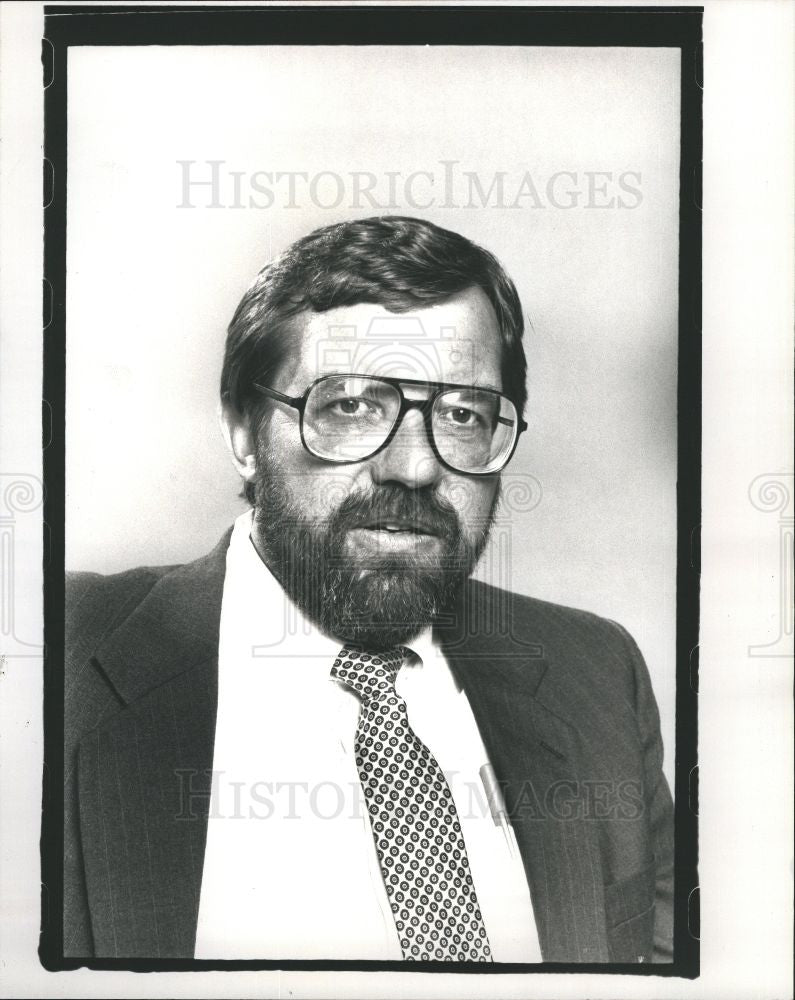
(477, 385)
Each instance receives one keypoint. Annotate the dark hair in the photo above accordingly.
(398, 262)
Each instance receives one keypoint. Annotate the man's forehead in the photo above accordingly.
(449, 341)
(469, 313)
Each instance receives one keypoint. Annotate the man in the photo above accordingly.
(323, 740)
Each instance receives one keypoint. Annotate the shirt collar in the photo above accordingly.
(262, 610)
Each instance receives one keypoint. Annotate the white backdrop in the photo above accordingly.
(157, 263)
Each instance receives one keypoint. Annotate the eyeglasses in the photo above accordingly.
(348, 418)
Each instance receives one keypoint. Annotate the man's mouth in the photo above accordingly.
(399, 526)
(393, 536)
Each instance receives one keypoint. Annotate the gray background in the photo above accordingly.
(151, 286)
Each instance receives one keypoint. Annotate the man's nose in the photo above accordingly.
(409, 457)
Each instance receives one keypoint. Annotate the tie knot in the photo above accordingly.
(371, 675)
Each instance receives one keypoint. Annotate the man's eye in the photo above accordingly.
(461, 416)
(352, 407)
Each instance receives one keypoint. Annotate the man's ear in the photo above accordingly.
(236, 429)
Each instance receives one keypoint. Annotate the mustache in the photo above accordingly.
(393, 503)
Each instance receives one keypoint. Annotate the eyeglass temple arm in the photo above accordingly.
(294, 401)
(509, 423)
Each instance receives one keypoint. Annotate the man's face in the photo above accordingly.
(374, 550)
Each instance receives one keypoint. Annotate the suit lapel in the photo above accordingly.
(144, 776)
(535, 752)
(175, 627)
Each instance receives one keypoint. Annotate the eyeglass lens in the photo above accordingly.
(347, 418)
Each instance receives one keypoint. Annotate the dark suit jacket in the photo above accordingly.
(562, 699)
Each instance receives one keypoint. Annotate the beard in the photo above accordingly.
(377, 599)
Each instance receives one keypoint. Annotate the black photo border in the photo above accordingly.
(674, 27)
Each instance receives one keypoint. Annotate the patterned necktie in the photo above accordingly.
(413, 817)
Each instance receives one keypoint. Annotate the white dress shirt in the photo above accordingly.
(290, 867)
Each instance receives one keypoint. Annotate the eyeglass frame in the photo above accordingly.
(425, 406)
